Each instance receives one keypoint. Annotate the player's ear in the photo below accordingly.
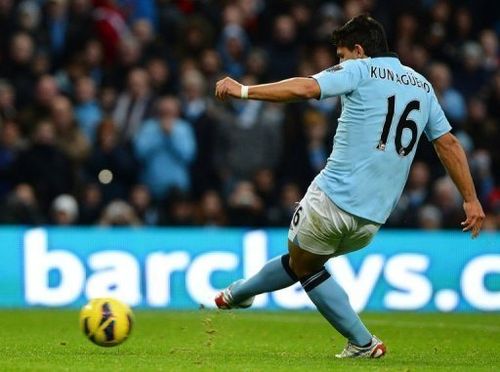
(359, 51)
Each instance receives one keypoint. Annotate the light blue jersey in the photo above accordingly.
(385, 108)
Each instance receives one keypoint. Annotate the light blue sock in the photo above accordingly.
(275, 274)
(333, 303)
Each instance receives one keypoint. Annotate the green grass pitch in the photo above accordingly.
(210, 340)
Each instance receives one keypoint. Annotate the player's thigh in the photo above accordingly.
(359, 238)
(316, 225)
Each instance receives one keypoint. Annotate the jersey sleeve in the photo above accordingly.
(339, 79)
(437, 124)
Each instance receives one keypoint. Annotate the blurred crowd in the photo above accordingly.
(107, 114)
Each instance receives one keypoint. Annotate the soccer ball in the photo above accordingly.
(106, 321)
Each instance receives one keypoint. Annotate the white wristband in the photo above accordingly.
(244, 92)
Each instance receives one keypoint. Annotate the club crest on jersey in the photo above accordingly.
(334, 68)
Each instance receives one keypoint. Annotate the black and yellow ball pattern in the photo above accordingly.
(106, 321)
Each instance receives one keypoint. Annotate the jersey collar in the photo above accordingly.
(386, 54)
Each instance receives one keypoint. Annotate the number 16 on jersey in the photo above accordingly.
(403, 123)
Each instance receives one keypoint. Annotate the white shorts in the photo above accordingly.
(320, 227)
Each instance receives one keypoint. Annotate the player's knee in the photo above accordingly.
(302, 263)
(299, 269)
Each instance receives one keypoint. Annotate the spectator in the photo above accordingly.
(140, 199)
(489, 43)
(7, 101)
(480, 164)
(165, 147)
(133, 105)
(484, 131)
(119, 213)
(45, 91)
(11, 143)
(353, 7)
(67, 77)
(211, 67)
(322, 58)
(447, 198)
(28, 17)
(80, 27)
(417, 189)
(88, 114)
(281, 215)
(472, 75)
(415, 195)
(257, 64)
(7, 24)
(44, 166)
(494, 204)
(245, 208)
(197, 35)
(493, 96)
(283, 50)
(110, 26)
(41, 63)
(430, 218)
(160, 75)
(406, 34)
(303, 18)
(195, 105)
(328, 17)
(178, 209)
(490, 223)
(265, 186)
(450, 99)
(90, 204)
(107, 100)
(111, 165)
(232, 15)
(437, 33)
(56, 25)
(144, 33)
(463, 26)
(21, 207)
(129, 58)
(93, 60)
(317, 142)
(69, 137)
(64, 210)
(308, 144)
(239, 148)
(419, 59)
(233, 49)
(17, 68)
(211, 210)
(136, 10)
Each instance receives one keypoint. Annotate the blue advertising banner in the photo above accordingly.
(185, 268)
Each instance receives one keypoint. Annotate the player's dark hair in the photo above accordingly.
(365, 31)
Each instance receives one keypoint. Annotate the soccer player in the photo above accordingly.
(386, 106)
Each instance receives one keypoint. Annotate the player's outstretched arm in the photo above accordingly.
(453, 157)
(293, 89)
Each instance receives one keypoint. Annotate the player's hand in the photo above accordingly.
(227, 87)
(474, 217)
